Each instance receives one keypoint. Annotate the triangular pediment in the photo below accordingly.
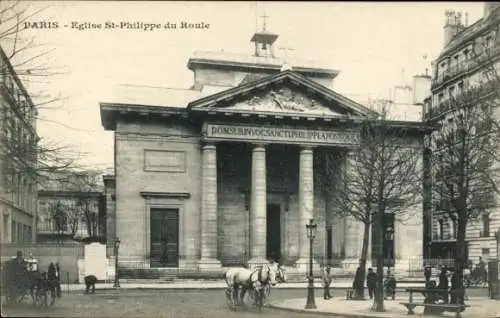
(286, 93)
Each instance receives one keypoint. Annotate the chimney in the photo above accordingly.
(421, 88)
(489, 7)
(452, 26)
(402, 95)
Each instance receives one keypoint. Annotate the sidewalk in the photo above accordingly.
(219, 284)
(479, 308)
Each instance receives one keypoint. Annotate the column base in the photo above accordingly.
(401, 268)
(209, 263)
(257, 261)
(351, 264)
(302, 264)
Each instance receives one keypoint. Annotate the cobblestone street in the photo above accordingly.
(163, 303)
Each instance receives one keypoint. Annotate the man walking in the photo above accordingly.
(427, 273)
(327, 280)
(371, 282)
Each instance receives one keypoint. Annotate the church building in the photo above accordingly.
(225, 173)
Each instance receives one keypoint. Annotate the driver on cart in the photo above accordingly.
(32, 263)
(19, 259)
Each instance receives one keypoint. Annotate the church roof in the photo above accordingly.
(264, 62)
(347, 104)
(154, 96)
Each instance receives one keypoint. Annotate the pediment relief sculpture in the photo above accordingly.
(283, 100)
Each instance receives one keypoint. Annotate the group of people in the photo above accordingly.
(371, 283)
(454, 294)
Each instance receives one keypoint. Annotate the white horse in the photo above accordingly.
(258, 281)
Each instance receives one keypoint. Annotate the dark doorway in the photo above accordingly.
(164, 237)
(329, 247)
(273, 246)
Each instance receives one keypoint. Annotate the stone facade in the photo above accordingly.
(18, 158)
(229, 177)
(470, 56)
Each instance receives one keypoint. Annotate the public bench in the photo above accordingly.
(432, 308)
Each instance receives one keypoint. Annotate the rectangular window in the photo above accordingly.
(13, 231)
(20, 233)
(486, 225)
(485, 253)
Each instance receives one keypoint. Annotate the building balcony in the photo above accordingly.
(467, 66)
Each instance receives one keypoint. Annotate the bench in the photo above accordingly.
(430, 308)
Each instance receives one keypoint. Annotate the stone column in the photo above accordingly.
(258, 207)
(306, 203)
(208, 236)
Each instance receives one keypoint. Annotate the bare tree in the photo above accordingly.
(464, 162)
(65, 218)
(382, 177)
(25, 157)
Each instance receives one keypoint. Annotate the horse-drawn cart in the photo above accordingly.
(20, 283)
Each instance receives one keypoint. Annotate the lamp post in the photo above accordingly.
(117, 248)
(497, 238)
(311, 233)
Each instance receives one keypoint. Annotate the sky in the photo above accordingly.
(374, 45)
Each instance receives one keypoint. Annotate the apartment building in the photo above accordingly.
(18, 156)
(470, 54)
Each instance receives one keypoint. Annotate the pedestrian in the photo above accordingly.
(427, 273)
(390, 286)
(443, 283)
(327, 280)
(58, 277)
(90, 282)
(371, 282)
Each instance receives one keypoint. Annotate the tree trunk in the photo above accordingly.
(378, 304)
(460, 257)
(360, 290)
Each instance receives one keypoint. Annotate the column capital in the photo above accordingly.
(259, 145)
(208, 146)
(307, 148)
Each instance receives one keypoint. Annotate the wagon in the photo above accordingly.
(20, 284)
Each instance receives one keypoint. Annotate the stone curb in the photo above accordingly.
(322, 313)
(173, 286)
(277, 305)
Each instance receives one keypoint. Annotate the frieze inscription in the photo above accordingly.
(280, 134)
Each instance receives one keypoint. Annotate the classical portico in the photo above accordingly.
(282, 116)
(226, 173)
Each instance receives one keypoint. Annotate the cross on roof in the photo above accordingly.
(264, 17)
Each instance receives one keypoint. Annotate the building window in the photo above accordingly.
(440, 229)
(486, 225)
(485, 253)
(454, 229)
(20, 233)
(13, 231)
(440, 98)
(451, 91)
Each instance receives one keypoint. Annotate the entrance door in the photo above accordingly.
(273, 246)
(164, 237)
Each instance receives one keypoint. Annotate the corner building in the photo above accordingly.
(225, 173)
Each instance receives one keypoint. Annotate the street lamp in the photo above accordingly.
(117, 248)
(497, 238)
(311, 233)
